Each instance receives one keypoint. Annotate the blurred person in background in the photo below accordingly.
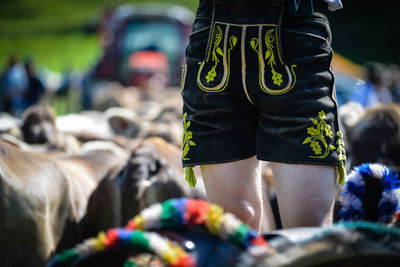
(394, 84)
(36, 89)
(14, 83)
(373, 91)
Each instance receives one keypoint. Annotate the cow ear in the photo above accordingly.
(123, 121)
(124, 126)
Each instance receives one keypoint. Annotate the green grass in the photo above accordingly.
(55, 32)
(77, 50)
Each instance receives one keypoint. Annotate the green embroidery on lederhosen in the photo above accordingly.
(187, 138)
(217, 57)
(212, 73)
(218, 38)
(271, 40)
(317, 137)
(269, 55)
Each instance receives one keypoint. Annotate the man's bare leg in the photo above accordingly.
(236, 186)
(305, 194)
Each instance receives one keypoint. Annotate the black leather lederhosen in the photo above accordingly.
(258, 81)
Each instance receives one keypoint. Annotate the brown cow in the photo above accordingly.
(43, 197)
(152, 174)
(39, 127)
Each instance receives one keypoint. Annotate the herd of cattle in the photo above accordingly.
(65, 178)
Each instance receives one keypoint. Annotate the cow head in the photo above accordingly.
(149, 177)
(38, 125)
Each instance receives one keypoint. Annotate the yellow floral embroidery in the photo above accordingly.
(216, 50)
(254, 44)
(269, 40)
(187, 136)
(269, 55)
(223, 84)
(317, 136)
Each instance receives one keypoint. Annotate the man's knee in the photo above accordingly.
(246, 211)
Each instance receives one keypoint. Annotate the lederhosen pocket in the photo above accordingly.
(213, 74)
(263, 60)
